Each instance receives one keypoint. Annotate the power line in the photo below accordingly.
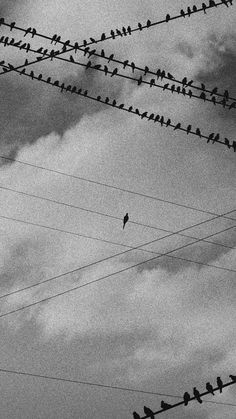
(102, 214)
(140, 80)
(109, 186)
(144, 115)
(125, 63)
(86, 383)
(118, 272)
(152, 414)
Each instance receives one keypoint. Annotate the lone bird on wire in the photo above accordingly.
(210, 388)
(125, 220)
(197, 395)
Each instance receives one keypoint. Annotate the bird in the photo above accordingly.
(91, 52)
(17, 44)
(68, 88)
(157, 118)
(103, 37)
(140, 81)
(158, 73)
(187, 398)
(136, 415)
(124, 31)
(33, 32)
(146, 70)
(114, 72)
(203, 96)
(40, 50)
(183, 91)
(182, 13)
(72, 59)
(62, 87)
(203, 87)
(73, 89)
(194, 9)
(121, 106)
(210, 388)
(12, 25)
(148, 412)
(85, 42)
(137, 111)
(2, 20)
(12, 41)
(198, 132)
(58, 39)
(227, 142)
(184, 81)
(211, 137)
(233, 377)
(98, 98)
(129, 30)
(107, 100)
(177, 126)
(168, 122)
(162, 121)
(178, 90)
(125, 220)
(151, 117)
(148, 23)
(204, 7)
(165, 86)
(219, 383)
(189, 127)
(76, 47)
(105, 70)
(97, 66)
(54, 38)
(144, 114)
(223, 102)
(125, 63)
(85, 92)
(2, 39)
(113, 34)
(27, 31)
(214, 91)
(40, 77)
(93, 40)
(152, 82)
(217, 137)
(190, 93)
(170, 76)
(114, 103)
(102, 53)
(190, 83)
(56, 83)
(234, 146)
(140, 26)
(212, 3)
(165, 406)
(23, 46)
(110, 58)
(167, 18)
(189, 11)
(163, 74)
(119, 32)
(45, 52)
(32, 75)
(172, 88)
(48, 80)
(130, 109)
(6, 41)
(213, 99)
(197, 395)
(132, 66)
(88, 65)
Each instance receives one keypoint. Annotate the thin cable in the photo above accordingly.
(140, 81)
(116, 273)
(109, 186)
(102, 214)
(86, 383)
(121, 107)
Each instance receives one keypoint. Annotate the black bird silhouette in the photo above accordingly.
(158, 73)
(22, 71)
(40, 78)
(198, 132)
(148, 412)
(103, 37)
(165, 86)
(203, 96)
(219, 383)
(98, 98)
(40, 50)
(213, 99)
(197, 395)
(227, 142)
(148, 23)
(178, 90)
(157, 118)
(12, 25)
(211, 137)
(114, 103)
(144, 114)
(68, 88)
(194, 8)
(133, 67)
(184, 81)
(111, 57)
(190, 83)
(23, 46)
(121, 106)
(189, 11)
(12, 41)
(33, 32)
(146, 70)
(2, 20)
(234, 146)
(137, 111)
(54, 38)
(187, 398)
(204, 7)
(125, 63)
(113, 34)
(189, 127)
(177, 126)
(140, 81)
(62, 87)
(167, 18)
(107, 100)
(45, 52)
(168, 122)
(162, 121)
(170, 76)
(152, 82)
(214, 91)
(130, 109)
(6, 42)
(73, 89)
(151, 117)
(17, 44)
(85, 42)
(2, 39)
(140, 26)
(114, 72)
(93, 40)
(210, 388)
(173, 88)
(183, 91)
(182, 13)
(105, 70)
(102, 53)
(212, 3)
(97, 66)
(217, 137)
(58, 39)
(190, 93)
(27, 31)
(79, 91)
(92, 52)
(136, 415)
(119, 32)
(88, 65)
(56, 83)
(129, 30)
(32, 75)
(86, 93)
(165, 406)
(124, 31)
(163, 73)
(233, 377)
(125, 220)
(49, 80)
(72, 59)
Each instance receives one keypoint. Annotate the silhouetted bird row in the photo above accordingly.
(186, 398)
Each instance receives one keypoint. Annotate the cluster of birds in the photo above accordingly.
(186, 398)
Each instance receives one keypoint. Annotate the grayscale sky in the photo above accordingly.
(165, 326)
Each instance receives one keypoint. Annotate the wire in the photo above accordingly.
(119, 272)
(67, 380)
(143, 115)
(140, 81)
(136, 416)
(103, 214)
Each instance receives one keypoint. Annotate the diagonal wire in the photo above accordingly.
(166, 254)
(140, 81)
(86, 383)
(143, 115)
(102, 214)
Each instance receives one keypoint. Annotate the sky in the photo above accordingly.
(164, 326)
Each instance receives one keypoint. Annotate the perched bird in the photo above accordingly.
(137, 111)
(148, 412)
(204, 7)
(184, 81)
(48, 80)
(227, 142)
(23, 46)
(72, 59)
(57, 40)
(98, 98)
(97, 66)
(197, 395)
(172, 88)
(73, 89)
(214, 91)
(68, 88)
(140, 26)
(212, 3)
(151, 117)
(40, 50)
(234, 146)
(17, 44)
(146, 70)
(114, 103)
(152, 82)
(187, 398)
(125, 63)
(140, 81)
(148, 23)
(157, 118)
(85, 92)
(182, 13)
(27, 31)
(12, 41)
(107, 100)
(167, 18)
(33, 32)
(88, 65)
(85, 42)
(105, 70)
(6, 41)
(210, 388)
(223, 102)
(92, 52)
(12, 25)
(170, 76)
(125, 220)
(211, 137)
(45, 52)
(2, 39)
(163, 74)
(136, 415)
(168, 122)
(102, 53)
(40, 77)
(165, 86)
(133, 67)
(32, 75)
(189, 127)
(130, 109)
(113, 34)
(164, 405)
(124, 31)
(162, 121)
(111, 57)
(177, 126)
(62, 87)
(2, 20)
(129, 30)
(114, 72)
(22, 71)
(79, 91)
(54, 38)
(144, 114)
(233, 377)
(194, 9)
(213, 99)
(190, 83)
(190, 93)
(198, 132)
(103, 37)
(93, 40)
(217, 137)
(158, 73)
(203, 96)
(183, 91)
(119, 32)
(189, 11)
(178, 90)
(121, 106)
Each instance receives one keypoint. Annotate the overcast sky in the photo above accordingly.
(165, 326)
